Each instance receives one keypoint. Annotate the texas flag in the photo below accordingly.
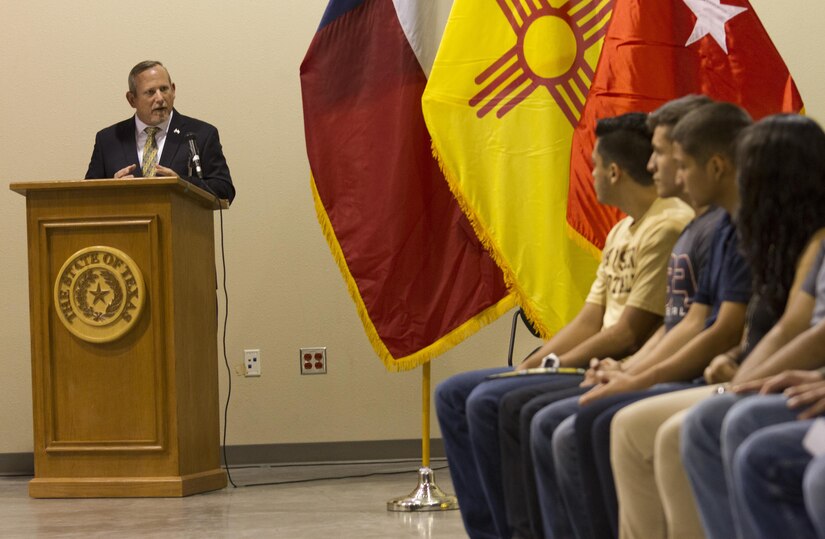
(420, 279)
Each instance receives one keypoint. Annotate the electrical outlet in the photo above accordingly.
(252, 362)
(314, 360)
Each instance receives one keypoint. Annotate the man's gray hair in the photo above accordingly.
(140, 68)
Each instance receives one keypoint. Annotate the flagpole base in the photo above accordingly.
(426, 496)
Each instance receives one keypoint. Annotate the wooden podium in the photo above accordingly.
(124, 338)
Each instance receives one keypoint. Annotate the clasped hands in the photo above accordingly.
(607, 377)
(128, 172)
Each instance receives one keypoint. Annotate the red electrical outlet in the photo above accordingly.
(313, 360)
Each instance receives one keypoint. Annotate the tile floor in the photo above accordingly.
(339, 509)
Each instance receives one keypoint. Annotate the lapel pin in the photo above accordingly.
(177, 131)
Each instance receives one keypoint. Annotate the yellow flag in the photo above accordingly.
(507, 88)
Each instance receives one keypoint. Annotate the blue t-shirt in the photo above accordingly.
(687, 263)
(727, 276)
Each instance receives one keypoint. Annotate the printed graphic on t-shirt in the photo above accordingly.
(681, 286)
(620, 269)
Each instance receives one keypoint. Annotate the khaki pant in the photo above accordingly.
(655, 500)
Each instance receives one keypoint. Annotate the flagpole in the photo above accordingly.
(426, 496)
(425, 415)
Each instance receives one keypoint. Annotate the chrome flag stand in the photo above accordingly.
(426, 496)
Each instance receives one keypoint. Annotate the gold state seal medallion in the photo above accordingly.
(99, 294)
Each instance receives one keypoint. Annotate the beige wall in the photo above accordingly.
(63, 68)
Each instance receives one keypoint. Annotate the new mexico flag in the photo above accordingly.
(507, 88)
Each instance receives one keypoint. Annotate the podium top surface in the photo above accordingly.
(203, 197)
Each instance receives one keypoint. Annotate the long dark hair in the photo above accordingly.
(781, 176)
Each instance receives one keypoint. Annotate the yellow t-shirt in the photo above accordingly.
(633, 269)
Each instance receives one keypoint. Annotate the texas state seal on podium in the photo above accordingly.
(123, 338)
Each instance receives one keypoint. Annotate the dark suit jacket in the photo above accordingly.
(115, 148)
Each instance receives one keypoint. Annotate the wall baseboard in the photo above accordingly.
(330, 452)
(243, 455)
(16, 464)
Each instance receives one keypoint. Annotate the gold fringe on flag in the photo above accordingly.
(424, 355)
(510, 280)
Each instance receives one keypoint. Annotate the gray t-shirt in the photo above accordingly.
(815, 285)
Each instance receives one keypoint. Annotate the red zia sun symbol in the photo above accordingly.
(549, 51)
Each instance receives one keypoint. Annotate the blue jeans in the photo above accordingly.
(467, 406)
(702, 459)
(515, 415)
(592, 443)
(556, 520)
(813, 486)
(768, 470)
(568, 475)
(712, 432)
(565, 459)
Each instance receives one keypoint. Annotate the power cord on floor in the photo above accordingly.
(225, 356)
(354, 476)
(209, 189)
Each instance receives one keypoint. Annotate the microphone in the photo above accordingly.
(194, 155)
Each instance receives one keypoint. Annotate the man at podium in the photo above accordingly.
(158, 140)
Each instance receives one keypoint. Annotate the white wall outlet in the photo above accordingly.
(314, 360)
(252, 362)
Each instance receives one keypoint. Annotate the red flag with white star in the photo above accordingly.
(657, 50)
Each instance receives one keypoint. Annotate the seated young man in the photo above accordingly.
(564, 451)
(623, 308)
(686, 262)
